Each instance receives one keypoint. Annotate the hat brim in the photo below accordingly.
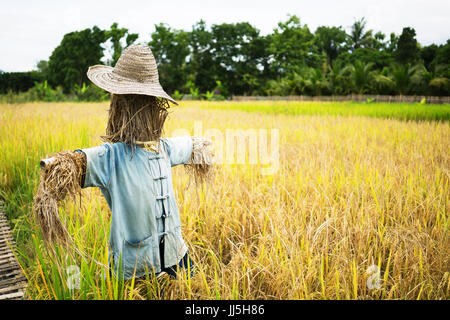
(105, 78)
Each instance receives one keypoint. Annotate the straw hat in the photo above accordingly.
(134, 73)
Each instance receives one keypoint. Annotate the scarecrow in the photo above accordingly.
(132, 169)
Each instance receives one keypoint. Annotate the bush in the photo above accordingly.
(19, 81)
(89, 93)
(40, 92)
(177, 95)
(43, 92)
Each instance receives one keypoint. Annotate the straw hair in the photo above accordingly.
(134, 118)
(135, 72)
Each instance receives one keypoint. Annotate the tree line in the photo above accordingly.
(227, 59)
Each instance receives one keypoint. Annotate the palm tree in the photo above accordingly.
(435, 81)
(406, 77)
(383, 83)
(300, 82)
(358, 35)
(361, 76)
(309, 81)
(439, 86)
(336, 78)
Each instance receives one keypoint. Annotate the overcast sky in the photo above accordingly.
(30, 30)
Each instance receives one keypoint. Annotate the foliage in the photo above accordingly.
(90, 93)
(290, 60)
(170, 47)
(19, 81)
(291, 47)
(116, 35)
(407, 48)
(379, 59)
(70, 61)
(43, 92)
(330, 40)
(177, 95)
(359, 37)
(406, 77)
(237, 51)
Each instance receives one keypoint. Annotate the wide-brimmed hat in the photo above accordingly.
(134, 73)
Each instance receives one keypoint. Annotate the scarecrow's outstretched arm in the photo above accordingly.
(61, 175)
(200, 164)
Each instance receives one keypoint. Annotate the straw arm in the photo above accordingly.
(61, 175)
(200, 165)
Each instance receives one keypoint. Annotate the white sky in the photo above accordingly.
(30, 30)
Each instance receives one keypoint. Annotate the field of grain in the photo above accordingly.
(358, 208)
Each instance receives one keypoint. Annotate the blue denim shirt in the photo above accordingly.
(139, 192)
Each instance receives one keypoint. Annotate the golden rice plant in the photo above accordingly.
(355, 197)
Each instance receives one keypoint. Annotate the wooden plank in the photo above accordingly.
(5, 233)
(7, 267)
(12, 279)
(15, 295)
(9, 282)
(5, 240)
(7, 255)
(12, 273)
(4, 248)
(8, 261)
(10, 289)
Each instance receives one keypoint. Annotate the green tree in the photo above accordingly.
(116, 35)
(442, 59)
(377, 42)
(201, 61)
(19, 81)
(391, 45)
(292, 47)
(380, 59)
(338, 82)
(436, 81)
(330, 40)
(428, 54)
(439, 86)
(359, 36)
(383, 82)
(170, 48)
(71, 59)
(407, 48)
(407, 77)
(238, 55)
(361, 75)
(42, 67)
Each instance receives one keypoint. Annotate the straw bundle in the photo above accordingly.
(59, 178)
(200, 166)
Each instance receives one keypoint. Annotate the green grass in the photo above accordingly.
(401, 111)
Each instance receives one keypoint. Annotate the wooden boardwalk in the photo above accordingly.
(12, 279)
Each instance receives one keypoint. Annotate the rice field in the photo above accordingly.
(358, 208)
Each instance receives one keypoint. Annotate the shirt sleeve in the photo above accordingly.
(98, 166)
(179, 149)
